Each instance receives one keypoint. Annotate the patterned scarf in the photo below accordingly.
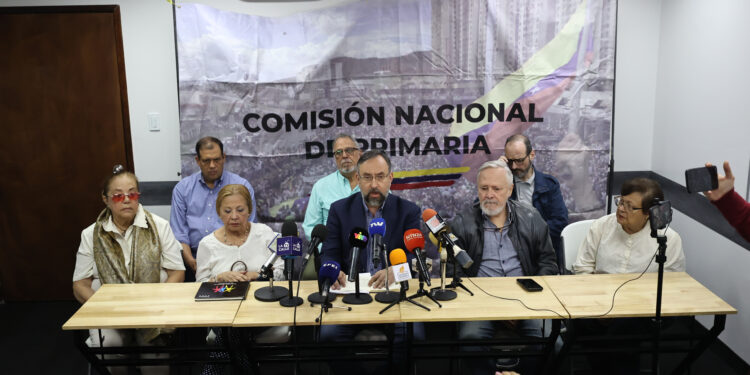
(145, 258)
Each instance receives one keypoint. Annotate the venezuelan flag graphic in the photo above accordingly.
(542, 78)
(422, 178)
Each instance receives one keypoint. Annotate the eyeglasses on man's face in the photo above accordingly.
(626, 205)
(517, 161)
(208, 161)
(349, 151)
(119, 197)
(368, 178)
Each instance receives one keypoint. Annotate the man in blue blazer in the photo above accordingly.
(357, 210)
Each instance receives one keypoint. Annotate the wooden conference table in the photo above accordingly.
(563, 297)
(590, 296)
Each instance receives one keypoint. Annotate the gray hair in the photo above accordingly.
(344, 135)
(497, 164)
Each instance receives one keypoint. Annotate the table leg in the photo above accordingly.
(555, 360)
(713, 333)
(409, 339)
(79, 339)
(549, 351)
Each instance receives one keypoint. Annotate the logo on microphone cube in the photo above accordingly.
(401, 272)
(360, 237)
(289, 246)
(435, 223)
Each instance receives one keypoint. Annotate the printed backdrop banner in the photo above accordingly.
(439, 85)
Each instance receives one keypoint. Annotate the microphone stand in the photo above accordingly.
(421, 292)
(357, 298)
(439, 292)
(456, 279)
(270, 293)
(327, 305)
(661, 257)
(402, 297)
(317, 297)
(290, 300)
(387, 296)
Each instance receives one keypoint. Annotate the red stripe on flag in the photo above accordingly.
(419, 185)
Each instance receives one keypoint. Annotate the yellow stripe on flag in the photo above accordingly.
(427, 172)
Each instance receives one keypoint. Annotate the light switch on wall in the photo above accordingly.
(153, 122)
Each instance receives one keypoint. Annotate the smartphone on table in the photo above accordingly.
(529, 285)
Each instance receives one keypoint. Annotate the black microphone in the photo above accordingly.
(289, 229)
(440, 229)
(318, 235)
(377, 232)
(357, 240)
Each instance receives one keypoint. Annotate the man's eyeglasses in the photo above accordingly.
(369, 178)
(518, 161)
(209, 161)
(348, 150)
(121, 197)
(626, 205)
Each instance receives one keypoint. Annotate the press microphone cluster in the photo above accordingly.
(440, 229)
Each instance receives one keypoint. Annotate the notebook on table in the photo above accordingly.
(222, 291)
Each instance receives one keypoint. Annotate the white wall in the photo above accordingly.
(701, 91)
(702, 87)
(721, 266)
(635, 83)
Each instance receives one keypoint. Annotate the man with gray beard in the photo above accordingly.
(338, 185)
(504, 238)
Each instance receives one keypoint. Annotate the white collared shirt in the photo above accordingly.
(215, 257)
(609, 249)
(171, 255)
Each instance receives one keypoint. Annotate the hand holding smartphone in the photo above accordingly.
(701, 179)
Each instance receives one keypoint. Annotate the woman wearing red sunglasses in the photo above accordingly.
(126, 244)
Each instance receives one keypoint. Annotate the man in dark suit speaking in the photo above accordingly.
(357, 210)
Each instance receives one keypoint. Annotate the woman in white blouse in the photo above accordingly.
(237, 241)
(621, 242)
